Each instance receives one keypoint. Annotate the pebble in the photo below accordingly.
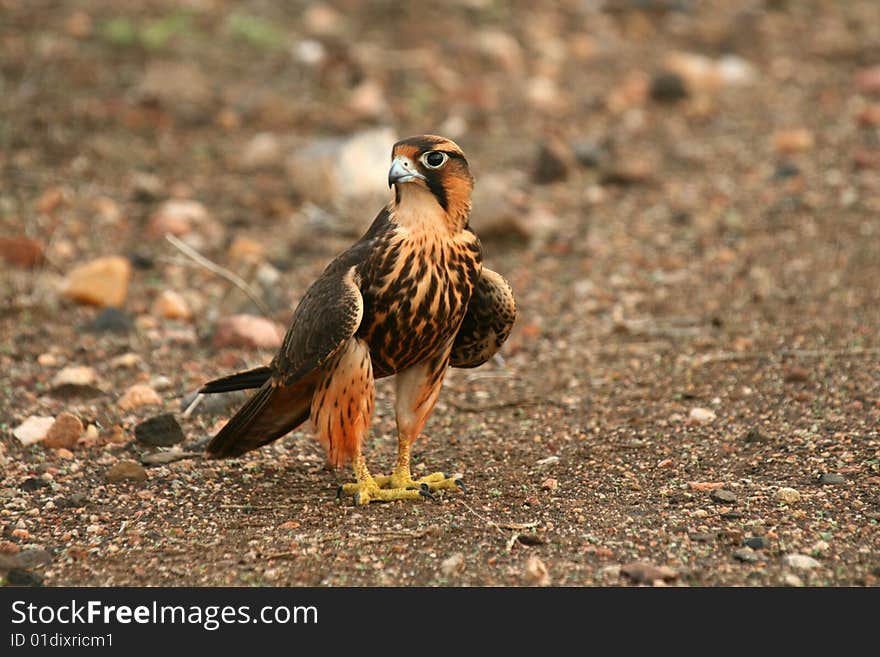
(795, 140)
(701, 415)
(668, 87)
(126, 471)
(790, 579)
(453, 564)
(19, 577)
(831, 478)
(129, 360)
(262, 151)
(171, 305)
(868, 80)
(139, 395)
(250, 331)
(502, 48)
(550, 484)
(757, 542)
(159, 431)
(33, 429)
(705, 74)
(75, 375)
(553, 162)
(64, 432)
(796, 374)
(165, 457)
(800, 562)
(32, 483)
(367, 100)
(536, 573)
(646, 572)
(788, 495)
(701, 537)
(20, 251)
(244, 249)
(746, 554)
(754, 436)
(109, 320)
(178, 86)
(723, 496)
(870, 116)
(590, 154)
(100, 282)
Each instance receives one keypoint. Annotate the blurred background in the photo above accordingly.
(684, 194)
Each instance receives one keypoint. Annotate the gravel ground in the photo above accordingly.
(684, 195)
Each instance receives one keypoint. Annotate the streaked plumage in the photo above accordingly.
(410, 298)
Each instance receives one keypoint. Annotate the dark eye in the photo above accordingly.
(434, 159)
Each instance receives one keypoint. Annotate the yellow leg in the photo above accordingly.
(402, 475)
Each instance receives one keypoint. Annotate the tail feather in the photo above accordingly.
(271, 413)
(241, 381)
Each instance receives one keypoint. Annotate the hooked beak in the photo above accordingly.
(402, 170)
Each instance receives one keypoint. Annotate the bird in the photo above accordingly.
(409, 299)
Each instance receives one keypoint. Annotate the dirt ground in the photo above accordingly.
(691, 395)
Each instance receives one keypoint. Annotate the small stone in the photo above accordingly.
(868, 80)
(796, 374)
(502, 48)
(126, 471)
(550, 484)
(78, 25)
(644, 572)
(244, 249)
(701, 415)
(788, 495)
(165, 457)
(322, 19)
(870, 116)
(820, 547)
(64, 453)
(800, 562)
(19, 577)
(453, 565)
(702, 537)
(723, 496)
(368, 100)
(705, 485)
(262, 151)
(109, 320)
(33, 558)
(139, 395)
(553, 163)
(668, 87)
(757, 542)
(64, 432)
(790, 579)
(786, 170)
(178, 86)
(746, 554)
(33, 429)
(21, 251)
(248, 331)
(795, 140)
(32, 483)
(75, 375)
(536, 573)
(126, 361)
(550, 460)
(171, 305)
(159, 431)
(590, 154)
(754, 436)
(101, 282)
(78, 499)
(830, 478)
(146, 186)
(611, 571)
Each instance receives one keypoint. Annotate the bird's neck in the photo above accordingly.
(417, 209)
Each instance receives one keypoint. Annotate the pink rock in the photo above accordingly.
(101, 282)
(64, 432)
(248, 331)
(139, 395)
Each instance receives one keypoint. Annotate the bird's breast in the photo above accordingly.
(416, 293)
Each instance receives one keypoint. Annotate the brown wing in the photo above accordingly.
(489, 319)
(328, 315)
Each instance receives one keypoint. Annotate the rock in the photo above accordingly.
(453, 565)
(171, 305)
(262, 151)
(32, 483)
(609, 572)
(591, 154)
(333, 170)
(746, 554)
(705, 485)
(786, 170)
(146, 186)
(126, 471)
(796, 374)
(830, 478)
(21, 251)
(367, 100)
(723, 496)
(701, 415)
(249, 331)
(553, 163)
(624, 174)
(788, 495)
(244, 249)
(543, 93)
(536, 573)
(868, 80)
(109, 320)
(550, 460)
(704, 74)
(820, 547)
(179, 87)
(701, 537)
(321, 19)
(75, 375)
(502, 48)
(159, 431)
(866, 160)
(550, 484)
(78, 499)
(800, 562)
(187, 219)
(790, 579)
(757, 542)
(33, 429)
(754, 436)
(129, 360)
(869, 116)
(791, 141)
(64, 432)
(139, 395)
(668, 87)
(101, 282)
(165, 457)
(32, 558)
(19, 577)
(643, 572)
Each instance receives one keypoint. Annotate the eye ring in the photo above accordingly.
(434, 159)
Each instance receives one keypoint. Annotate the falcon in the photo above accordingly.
(409, 299)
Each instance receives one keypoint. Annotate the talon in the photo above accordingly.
(357, 499)
(425, 488)
(424, 491)
(339, 492)
(460, 484)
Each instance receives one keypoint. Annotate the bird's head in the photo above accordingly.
(428, 169)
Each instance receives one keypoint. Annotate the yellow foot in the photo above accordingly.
(367, 492)
(429, 483)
